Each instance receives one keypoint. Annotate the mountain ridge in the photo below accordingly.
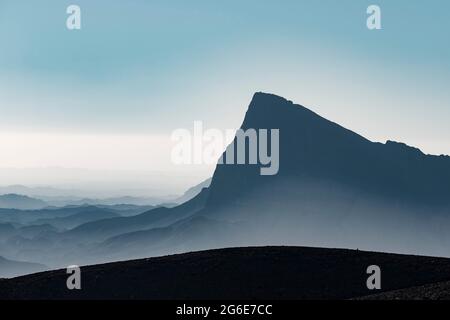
(21, 202)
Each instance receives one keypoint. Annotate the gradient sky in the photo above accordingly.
(109, 95)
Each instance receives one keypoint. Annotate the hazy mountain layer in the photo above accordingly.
(16, 201)
(10, 268)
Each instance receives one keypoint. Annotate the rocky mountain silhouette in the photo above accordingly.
(334, 187)
(314, 148)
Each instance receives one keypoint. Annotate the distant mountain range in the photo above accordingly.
(88, 214)
(25, 202)
(125, 200)
(32, 191)
(15, 201)
(65, 197)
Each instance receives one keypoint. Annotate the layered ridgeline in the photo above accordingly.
(16, 201)
(334, 188)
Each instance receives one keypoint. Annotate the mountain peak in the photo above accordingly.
(270, 111)
(268, 102)
(400, 146)
(318, 149)
(269, 96)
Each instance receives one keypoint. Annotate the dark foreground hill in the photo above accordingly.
(237, 273)
(433, 291)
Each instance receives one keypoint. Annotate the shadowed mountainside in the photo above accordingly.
(236, 273)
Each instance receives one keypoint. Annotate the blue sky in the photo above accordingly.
(148, 67)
